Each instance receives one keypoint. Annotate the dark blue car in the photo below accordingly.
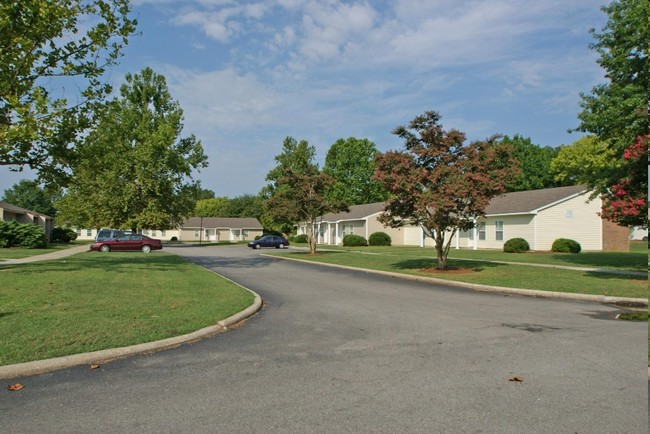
(269, 241)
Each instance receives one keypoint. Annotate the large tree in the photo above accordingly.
(134, 171)
(53, 56)
(576, 163)
(30, 195)
(616, 112)
(534, 163)
(296, 157)
(351, 162)
(440, 183)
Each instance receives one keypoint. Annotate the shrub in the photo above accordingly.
(302, 238)
(564, 245)
(516, 245)
(62, 235)
(174, 238)
(354, 241)
(14, 234)
(379, 239)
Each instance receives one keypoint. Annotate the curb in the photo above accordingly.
(42, 366)
(619, 301)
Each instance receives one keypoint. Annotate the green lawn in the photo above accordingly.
(414, 261)
(19, 252)
(89, 302)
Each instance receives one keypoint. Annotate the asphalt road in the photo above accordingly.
(343, 351)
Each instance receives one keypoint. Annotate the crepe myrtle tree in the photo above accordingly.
(440, 183)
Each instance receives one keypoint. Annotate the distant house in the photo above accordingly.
(538, 216)
(9, 212)
(231, 229)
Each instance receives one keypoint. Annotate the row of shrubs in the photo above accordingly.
(561, 245)
(375, 239)
(30, 236)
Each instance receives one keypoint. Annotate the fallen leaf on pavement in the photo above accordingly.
(95, 366)
(517, 379)
(15, 387)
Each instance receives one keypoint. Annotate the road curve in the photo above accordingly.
(348, 351)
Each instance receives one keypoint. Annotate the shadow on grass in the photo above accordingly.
(424, 263)
(637, 261)
(617, 276)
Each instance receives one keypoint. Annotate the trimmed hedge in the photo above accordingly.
(565, 245)
(301, 239)
(354, 241)
(516, 245)
(62, 235)
(379, 239)
(14, 234)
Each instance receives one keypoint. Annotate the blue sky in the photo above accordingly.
(249, 73)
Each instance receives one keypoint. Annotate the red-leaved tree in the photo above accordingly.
(627, 201)
(440, 183)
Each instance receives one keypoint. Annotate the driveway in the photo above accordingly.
(345, 351)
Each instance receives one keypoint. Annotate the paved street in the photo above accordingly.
(344, 351)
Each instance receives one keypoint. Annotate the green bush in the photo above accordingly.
(174, 238)
(516, 245)
(379, 239)
(564, 245)
(14, 234)
(354, 241)
(62, 235)
(301, 239)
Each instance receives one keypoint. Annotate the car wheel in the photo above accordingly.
(146, 249)
(281, 246)
(105, 248)
(257, 246)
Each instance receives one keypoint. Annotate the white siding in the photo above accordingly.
(575, 219)
(517, 226)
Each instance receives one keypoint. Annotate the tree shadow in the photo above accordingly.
(425, 263)
(636, 261)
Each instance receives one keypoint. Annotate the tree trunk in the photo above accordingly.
(310, 238)
(440, 250)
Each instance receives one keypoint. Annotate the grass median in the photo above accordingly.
(422, 262)
(93, 301)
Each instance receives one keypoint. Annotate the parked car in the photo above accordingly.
(269, 241)
(110, 234)
(127, 242)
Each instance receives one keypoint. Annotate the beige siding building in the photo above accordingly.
(9, 212)
(216, 229)
(538, 216)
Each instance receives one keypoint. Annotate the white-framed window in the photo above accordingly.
(481, 231)
(498, 230)
(163, 233)
(153, 233)
(89, 232)
(78, 231)
(196, 233)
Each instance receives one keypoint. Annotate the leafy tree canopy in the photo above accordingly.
(576, 163)
(440, 183)
(30, 195)
(617, 111)
(134, 171)
(214, 207)
(47, 48)
(534, 164)
(351, 162)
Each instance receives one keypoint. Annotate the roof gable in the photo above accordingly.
(525, 202)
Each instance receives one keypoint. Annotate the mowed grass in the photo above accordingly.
(93, 301)
(414, 262)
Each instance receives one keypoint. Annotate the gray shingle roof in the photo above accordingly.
(522, 202)
(222, 222)
(357, 212)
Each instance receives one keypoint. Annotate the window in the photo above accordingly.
(163, 233)
(89, 232)
(196, 233)
(498, 225)
(481, 231)
(78, 232)
(471, 234)
(153, 233)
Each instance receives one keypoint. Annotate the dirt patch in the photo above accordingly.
(449, 270)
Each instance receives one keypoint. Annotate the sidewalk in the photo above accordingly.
(48, 256)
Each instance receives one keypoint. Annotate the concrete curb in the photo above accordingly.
(43, 366)
(620, 301)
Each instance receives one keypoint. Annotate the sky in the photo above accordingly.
(250, 73)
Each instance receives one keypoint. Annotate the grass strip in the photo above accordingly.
(488, 273)
(91, 301)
